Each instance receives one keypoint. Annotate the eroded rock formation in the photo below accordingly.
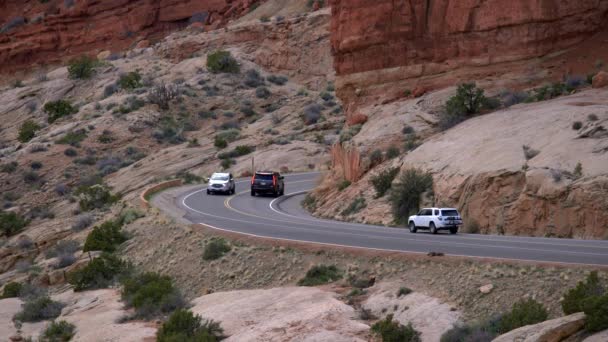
(383, 47)
(32, 32)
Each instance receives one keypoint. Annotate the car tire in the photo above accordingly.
(208, 192)
(412, 227)
(432, 228)
(453, 230)
(232, 191)
(282, 192)
(252, 193)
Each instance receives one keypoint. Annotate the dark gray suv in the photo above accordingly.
(267, 182)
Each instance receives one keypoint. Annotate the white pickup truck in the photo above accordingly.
(435, 219)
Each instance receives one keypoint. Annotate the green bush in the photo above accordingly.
(82, 67)
(151, 294)
(229, 135)
(345, 183)
(95, 197)
(105, 237)
(9, 167)
(406, 193)
(219, 142)
(27, 131)
(375, 157)
(392, 152)
(58, 331)
(11, 223)
(130, 80)
(320, 274)
(58, 109)
(576, 125)
(523, 313)
(596, 309)
(384, 180)
(38, 309)
(392, 331)
(403, 291)
(215, 249)
(467, 102)
(184, 326)
(12, 290)
(130, 215)
(73, 138)
(309, 202)
(485, 331)
(226, 163)
(354, 207)
(238, 151)
(222, 61)
(574, 298)
(100, 273)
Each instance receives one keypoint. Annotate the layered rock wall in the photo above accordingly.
(382, 47)
(32, 32)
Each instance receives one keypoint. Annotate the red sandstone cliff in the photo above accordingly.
(382, 46)
(58, 29)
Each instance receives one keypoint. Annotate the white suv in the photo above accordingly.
(221, 183)
(435, 219)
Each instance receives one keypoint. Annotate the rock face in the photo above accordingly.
(554, 330)
(32, 32)
(382, 46)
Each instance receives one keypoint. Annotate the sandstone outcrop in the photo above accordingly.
(385, 47)
(600, 80)
(554, 330)
(36, 32)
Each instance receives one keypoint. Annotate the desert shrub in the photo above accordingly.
(132, 103)
(170, 132)
(277, 79)
(392, 331)
(403, 291)
(109, 165)
(151, 294)
(36, 165)
(312, 114)
(592, 117)
(573, 82)
(253, 79)
(162, 94)
(13, 23)
(184, 326)
(82, 67)
(58, 331)
(529, 152)
(99, 273)
(215, 249)
(406, 193)
(512, 98)
(576, 125)
(83, 221)
(70, 152)
(309, 202)
(384, 180)
(467, 102)
(130, 80)
(31, 177)
(131, 215)
(190, 178)
(41, 212)
(35, 148)
(11, 223)
(343, 184)
(9, 167)
(64, 260)
(95, 197)
(58, 109)
(105, 237)
(574, 298)
(354, 207)
(376, 157)
(220, 142)
(233, 124)
(12, 290)
(596, 310)
(226, 163)
(106, 137)
(27, 131)
(222, 62)
(73, 138)
(478, 332)
(39, 309)
(238, 151)
(523, 313)
(578, 171)
(62, 189)
(63, 247)
(392, 152)
(262, 92)
(472, 227)
(320, 274)
(349, 133)
(109, 90)
(229, 135)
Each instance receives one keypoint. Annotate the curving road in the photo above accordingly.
(284, 218)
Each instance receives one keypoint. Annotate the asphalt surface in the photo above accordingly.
(284, 218)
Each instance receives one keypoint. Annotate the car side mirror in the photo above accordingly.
(281, 177)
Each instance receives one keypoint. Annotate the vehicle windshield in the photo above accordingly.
(451, 212)
(263, 177)
(219, 177)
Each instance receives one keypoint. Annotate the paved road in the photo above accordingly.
(284, 218)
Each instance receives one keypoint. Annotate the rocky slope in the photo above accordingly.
(43, 32)
(385, 47)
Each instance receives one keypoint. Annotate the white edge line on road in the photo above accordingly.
(373, 248)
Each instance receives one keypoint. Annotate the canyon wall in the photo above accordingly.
(36, 33)
(383, 47)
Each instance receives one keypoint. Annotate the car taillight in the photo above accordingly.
(274, 181)
(252, 179)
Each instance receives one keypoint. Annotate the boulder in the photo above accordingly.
(602, 336)
(486, 288)
(103, 55)
(143, 44)
(553, 330)
(600, 80)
